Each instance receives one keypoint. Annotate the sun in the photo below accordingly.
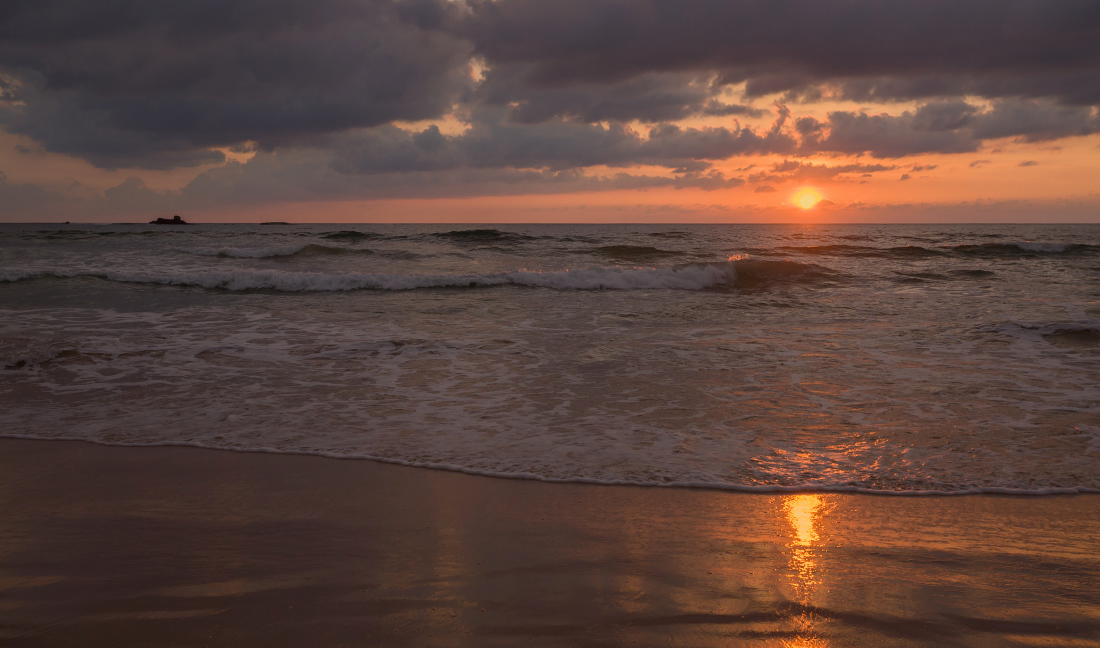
(806, 197)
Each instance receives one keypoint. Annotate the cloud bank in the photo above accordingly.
(335, 95)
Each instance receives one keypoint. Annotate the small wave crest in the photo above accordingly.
(740, 274)
(905, 251)
(1067, 335)
(634, 252)
(350, 235)
(1026, 248)
(1070, 336)
(484, 236)
(311, 249)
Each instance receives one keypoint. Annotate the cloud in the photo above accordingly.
(21, 199)
(308, 174)
(887, 136)
(1029, 163)
(541, 86)
(1035, 121)
(1069, 86)
(795, 171)
(650, 97)
(151, 84)
(493, 141)
(895, 48)
(943, 127)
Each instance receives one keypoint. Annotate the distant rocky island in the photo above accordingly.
(175, 220)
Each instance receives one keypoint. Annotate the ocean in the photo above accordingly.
(900, 359)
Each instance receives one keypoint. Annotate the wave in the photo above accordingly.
(311, 249)
(12, 359)
(741, 274)
(973, 273)
(484, 236)
(1074, 337)
(1068, 335)
(350, 235)
(1026, 248)
(919, 277)
(1021, 248)
(80, 235)
(837, 487)
(905, 251)
(634, 252)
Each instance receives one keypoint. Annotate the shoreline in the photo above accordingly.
(1051, 491)
(129, 546)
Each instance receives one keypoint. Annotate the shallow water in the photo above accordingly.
(879, 358)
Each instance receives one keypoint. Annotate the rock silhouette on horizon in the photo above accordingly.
(175, 220)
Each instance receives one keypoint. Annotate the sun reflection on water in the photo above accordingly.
(803, 514)
(802, 511)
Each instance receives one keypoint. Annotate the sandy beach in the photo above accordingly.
(114, 546)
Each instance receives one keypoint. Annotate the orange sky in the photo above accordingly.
(1066, 171)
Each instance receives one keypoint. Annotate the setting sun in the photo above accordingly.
(806, 197)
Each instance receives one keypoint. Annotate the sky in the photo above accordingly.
(550, 110)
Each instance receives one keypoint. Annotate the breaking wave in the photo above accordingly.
(742, 274)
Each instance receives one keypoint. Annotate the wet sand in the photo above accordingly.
(108, 546)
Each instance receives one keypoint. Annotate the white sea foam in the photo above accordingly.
(737, 404)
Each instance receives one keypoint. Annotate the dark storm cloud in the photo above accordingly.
(158, 84)
(145, 83)
(792, 44)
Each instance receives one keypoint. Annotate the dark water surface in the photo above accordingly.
(878, 358)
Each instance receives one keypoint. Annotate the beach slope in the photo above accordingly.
(187, 547)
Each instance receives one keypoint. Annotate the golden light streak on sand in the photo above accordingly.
(803, 514)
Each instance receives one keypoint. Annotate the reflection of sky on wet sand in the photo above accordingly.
(387, 556)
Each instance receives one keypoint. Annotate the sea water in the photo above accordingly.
(896, 359)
